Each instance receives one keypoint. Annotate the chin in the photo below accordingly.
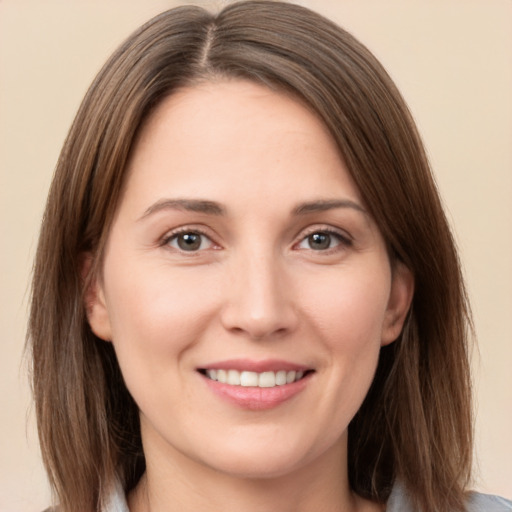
(266, 460)
(260, 468)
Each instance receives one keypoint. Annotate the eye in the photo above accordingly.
(323, 240)
(189, 241)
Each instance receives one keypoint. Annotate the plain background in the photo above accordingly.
(450, 58)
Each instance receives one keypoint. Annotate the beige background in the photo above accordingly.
(451, 59)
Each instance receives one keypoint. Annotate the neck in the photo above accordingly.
(177, 483)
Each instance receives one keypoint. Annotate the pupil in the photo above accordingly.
(319, 241)
(189, 241)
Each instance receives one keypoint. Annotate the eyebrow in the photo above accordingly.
(324, 205)
(214, 208)
(190, 205)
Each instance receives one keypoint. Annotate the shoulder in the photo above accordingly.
(399, 501)
(478, 502)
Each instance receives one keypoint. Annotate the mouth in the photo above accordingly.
(256, 386)
(267, 379)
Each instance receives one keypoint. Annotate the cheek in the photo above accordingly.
(156, 316)
(157, 312)
(349, 309)
(347, 316)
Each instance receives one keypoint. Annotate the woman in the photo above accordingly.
(254, 299)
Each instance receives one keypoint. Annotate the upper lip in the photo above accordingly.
(266, 365)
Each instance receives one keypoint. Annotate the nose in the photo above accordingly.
(260, 302)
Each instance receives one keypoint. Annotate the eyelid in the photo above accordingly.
(344, 238)
(325, 228)
(175, 232)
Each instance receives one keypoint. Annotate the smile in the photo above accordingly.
(256, 385)
(268, 379)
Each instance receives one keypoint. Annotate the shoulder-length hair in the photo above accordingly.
(415, 423)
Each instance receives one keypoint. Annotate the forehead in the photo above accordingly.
(201, 115)
(218, 137)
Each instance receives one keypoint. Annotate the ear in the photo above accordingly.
(94, 298)
(400, 298)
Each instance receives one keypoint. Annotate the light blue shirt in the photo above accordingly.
(398, 502)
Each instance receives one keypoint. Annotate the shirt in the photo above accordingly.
(398, 502)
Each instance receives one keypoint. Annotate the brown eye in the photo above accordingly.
(324, 240)
(189, 241)
(319, 241)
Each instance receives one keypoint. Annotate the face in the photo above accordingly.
(246, 290)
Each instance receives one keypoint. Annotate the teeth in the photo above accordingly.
(267, 380)
(280, 378)
(253, 379)
(249, 379)
(233, 377)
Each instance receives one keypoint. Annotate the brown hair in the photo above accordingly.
(420, 397)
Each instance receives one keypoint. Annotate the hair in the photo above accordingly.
(420, 397)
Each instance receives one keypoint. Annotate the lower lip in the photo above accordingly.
(255, 398)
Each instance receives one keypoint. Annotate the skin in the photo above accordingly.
(257, 287)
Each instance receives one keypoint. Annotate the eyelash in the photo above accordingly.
(343, 240)
(168, 238)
